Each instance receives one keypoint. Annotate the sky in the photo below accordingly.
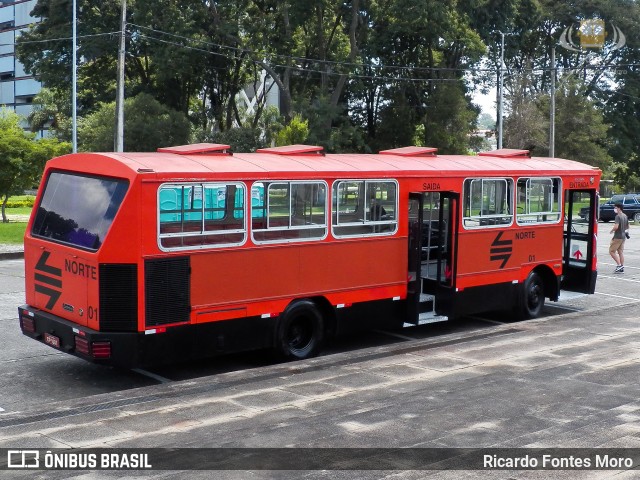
(486, 102)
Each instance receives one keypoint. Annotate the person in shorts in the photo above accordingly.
(616, 248)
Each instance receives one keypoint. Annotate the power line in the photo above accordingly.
(306, 69)
(466, 70)
(60, 39)
(307, 59)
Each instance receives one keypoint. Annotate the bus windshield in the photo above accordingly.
(78, 209)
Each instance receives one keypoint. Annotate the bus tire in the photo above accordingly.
(532, 299)
(300, 331)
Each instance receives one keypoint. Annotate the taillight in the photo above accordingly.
(101, 349)
(28, 324)
(82, 345)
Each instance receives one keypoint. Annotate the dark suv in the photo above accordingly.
(630, 204)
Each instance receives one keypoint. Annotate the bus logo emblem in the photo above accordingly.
(501, 250)
(44, 283)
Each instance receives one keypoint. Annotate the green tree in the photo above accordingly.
(240, 139)
(148, 125)
(526, 125)
(607, 76)
(51, 111)
(413, 50)
(165, 66)
(45, 48)
(22, 158)
(486, 122)
(295, 133)
(449, 120)
(581, 131)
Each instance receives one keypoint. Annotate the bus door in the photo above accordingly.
(432, 255)
(579, 247)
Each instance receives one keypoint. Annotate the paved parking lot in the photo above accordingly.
(569, 379)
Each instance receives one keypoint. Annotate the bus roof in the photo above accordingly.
(272, 163)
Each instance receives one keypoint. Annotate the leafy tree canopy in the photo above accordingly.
(22, 157)
(148, 125)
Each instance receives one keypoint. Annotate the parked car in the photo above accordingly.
(584, 212)
(630, 204)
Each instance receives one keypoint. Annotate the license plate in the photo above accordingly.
(51, 340)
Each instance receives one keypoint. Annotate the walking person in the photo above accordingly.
(616, 248)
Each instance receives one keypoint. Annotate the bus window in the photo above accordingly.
(365, 207)
(487, 202)
(290, 211)
(77, 209)
(201, 215)
(257, 199)
(538, 200)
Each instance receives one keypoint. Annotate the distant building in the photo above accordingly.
(488, 137)
(17, 88)
(264, 91)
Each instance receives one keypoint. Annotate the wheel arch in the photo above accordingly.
(550, 281)
(328, 313)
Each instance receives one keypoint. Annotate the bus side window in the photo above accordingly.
(488, 202)
(365, 207)
(538, 200)
(201, 215)
(289, 211)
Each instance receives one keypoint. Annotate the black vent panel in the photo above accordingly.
(118, 297)
(167, 293)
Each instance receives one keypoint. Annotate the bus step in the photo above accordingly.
(427, 303)
(427, 317)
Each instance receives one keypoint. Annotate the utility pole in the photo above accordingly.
(119, 137)
(501, 92)
(74, 83)
(552, 108)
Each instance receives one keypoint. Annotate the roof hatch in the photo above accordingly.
(506, 153)
(411, 151)
(198, 149)
(293, 150)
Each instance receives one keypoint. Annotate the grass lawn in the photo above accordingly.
(12, 232)
(18, 211)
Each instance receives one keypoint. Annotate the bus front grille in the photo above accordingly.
(118, 297)
(167, 292)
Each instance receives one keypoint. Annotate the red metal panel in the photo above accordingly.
(411, 151)
(293, 150)
(505, 153)
(196, 148)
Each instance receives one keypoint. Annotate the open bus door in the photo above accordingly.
(432, 258)
(579, 256)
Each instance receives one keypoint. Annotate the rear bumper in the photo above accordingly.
(140, 349)
(124, 345)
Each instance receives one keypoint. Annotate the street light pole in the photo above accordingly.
(552, 108)
(501, 91)
(74, 84)
(119, 140)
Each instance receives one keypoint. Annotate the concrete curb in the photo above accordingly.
(11, 255)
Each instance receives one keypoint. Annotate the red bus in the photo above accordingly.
(140, 258)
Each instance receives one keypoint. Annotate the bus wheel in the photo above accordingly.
(532, 296)
(300, 331)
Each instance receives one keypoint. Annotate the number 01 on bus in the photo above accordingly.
(135, 259)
